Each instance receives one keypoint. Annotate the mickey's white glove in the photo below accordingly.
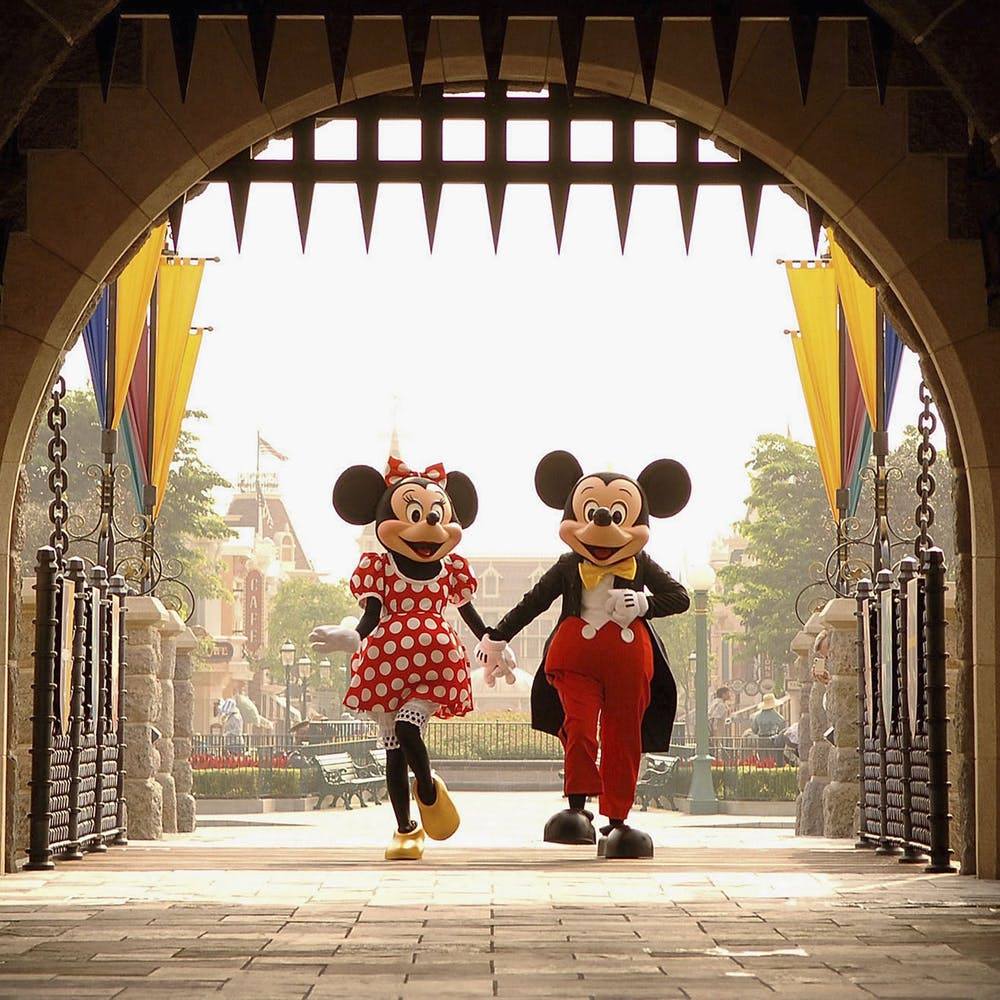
(335, 639)
(624, 606)
(497, 659)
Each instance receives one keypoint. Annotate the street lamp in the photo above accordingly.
(702, 794)
(304, 670)
(287, 657)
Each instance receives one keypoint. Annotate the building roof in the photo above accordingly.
(243, 513)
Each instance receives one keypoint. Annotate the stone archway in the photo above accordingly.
(123, 163)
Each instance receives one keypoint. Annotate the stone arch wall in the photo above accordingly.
(109, 176)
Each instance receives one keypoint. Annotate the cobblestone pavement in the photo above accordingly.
(293, 906)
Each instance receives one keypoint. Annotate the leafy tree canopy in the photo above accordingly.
(789, 533)
(301, 604)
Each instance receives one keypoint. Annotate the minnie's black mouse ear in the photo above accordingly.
(463, 496)
(667, 486)
(556, 475)
(357, 492)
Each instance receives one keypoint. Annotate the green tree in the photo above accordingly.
(903, 497)
(187, 517)
(789, 531)
(678, 635)
(299, 605)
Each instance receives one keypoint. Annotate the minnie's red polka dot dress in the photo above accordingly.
(413, 653)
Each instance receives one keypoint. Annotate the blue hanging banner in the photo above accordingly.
(135, 462)
(95, 341)
(893, 362)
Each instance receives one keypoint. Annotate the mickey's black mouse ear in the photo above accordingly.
(557, 473)
(667, 486)
(357, 492)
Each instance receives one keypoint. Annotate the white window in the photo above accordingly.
(491, 582)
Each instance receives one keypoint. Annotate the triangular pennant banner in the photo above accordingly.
(687, 197)
(303, 194)
(623, 209)
(751, 192)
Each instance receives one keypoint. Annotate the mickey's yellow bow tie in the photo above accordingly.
(592, 575)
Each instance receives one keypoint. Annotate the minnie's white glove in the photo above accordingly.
(335, 639)
(497, 659)
(624, 606)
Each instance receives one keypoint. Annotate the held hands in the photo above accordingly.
(624, 606)
(334, 639)
(497, 659)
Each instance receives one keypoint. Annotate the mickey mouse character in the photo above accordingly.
(603, 662)
(408, 663)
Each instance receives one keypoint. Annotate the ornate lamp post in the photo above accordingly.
(702, 794)
(287, 655)
(304, 669)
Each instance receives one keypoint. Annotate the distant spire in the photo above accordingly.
(394, 451)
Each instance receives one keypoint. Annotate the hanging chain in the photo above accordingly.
(58, 480)
(926, 457)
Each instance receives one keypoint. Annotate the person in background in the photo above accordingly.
(232, 720)
(718, 711)
(248, 710)
(768, 722)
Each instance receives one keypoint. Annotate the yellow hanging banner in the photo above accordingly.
(857, 298)
(133, 290)
(177, 349)
(817, 355)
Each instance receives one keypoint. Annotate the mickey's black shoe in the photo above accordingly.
(570, 826)
(624, 842)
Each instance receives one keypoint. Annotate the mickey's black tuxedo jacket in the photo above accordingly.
(666, 597)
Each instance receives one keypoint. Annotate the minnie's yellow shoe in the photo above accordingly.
(440, 819)
(406, 846)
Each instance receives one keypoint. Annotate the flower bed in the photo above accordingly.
(251, 782)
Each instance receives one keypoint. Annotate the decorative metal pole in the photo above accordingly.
(908, 570)
(864, 593)
(118, 587)
(883, 719)
(109, 440)
(43, 714)
(149, 492)
(937, 711)
(78, 577)
(99, 664)
(702, 794)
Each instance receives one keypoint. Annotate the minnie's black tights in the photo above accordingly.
(411, 753)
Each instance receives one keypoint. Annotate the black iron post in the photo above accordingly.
(43, 714)
(109, 440)
(936, 658)
(883, 725)
(119, 588)
(288, 704)
(99, 663)
(76, 574)
(863, 596)
(908, 568)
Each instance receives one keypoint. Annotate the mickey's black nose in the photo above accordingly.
(602, 517)
(433, 517)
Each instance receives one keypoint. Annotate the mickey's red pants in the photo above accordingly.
(601, 679)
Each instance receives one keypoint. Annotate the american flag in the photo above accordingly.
(269, 449)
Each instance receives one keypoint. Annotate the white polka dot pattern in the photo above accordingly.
(413, 648)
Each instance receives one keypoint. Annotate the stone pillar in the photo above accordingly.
(814, 750)
(145, 617)
(184, 647)
(840, 798)
(961, 741)
(172, 629)
(20, 709)
(801, 647)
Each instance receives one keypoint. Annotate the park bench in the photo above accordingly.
(338, 777)
(657, 780)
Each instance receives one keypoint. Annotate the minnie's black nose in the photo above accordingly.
(433, 517)
(602, 517)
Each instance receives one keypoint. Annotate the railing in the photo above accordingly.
(78, 727)
(902, 715)
(752, 769)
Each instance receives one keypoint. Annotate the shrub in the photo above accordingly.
(251, 783)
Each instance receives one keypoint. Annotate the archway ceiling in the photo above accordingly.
(497, 105)
(648, 16)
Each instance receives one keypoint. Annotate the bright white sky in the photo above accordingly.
(486, 362)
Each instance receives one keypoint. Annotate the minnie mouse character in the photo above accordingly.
(408, 663)
(603, 661)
